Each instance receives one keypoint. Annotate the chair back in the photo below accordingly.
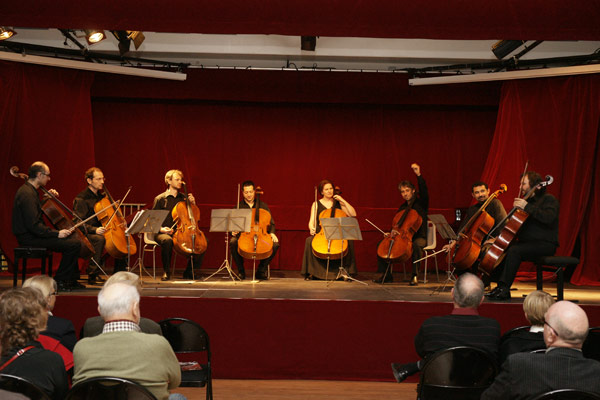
(567, 394)
(148, 239)
(109, 388)
(461, 372)
(591, 346)
(184, 335)
(17, 384)
(431, 236)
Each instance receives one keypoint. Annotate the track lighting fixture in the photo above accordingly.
(6, 33)
(94, 36)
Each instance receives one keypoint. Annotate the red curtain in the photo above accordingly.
(45, 114)
(553, 123)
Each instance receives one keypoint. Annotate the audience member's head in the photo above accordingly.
(119, 301)
(467, 291)
(46, 285)
(23, 316)
(125, 277)
(535, 306)
(566, 325)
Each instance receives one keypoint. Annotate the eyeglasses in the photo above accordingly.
(47, 174)
(553, 330)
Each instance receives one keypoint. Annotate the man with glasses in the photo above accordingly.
(30, 230)
(562, 366)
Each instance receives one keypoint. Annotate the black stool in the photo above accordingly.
(556, 264)
(24, 253)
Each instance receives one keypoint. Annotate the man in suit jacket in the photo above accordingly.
(562, 366)
(463, 327)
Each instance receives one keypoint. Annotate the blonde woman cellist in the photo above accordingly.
(314, 267)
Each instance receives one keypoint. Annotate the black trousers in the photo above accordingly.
(166, 251)
(521, 251)
(418, 245)
(98, 242)
(68, 269)
(239, 260)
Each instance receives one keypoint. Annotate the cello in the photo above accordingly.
(188, 240)
(113, 220)
(258, 243)
(55, 210)
(397, 247)
(473, 234)
(330, 249)
(515, 220)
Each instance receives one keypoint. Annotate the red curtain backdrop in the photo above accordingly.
(45, 114)
(553, 123)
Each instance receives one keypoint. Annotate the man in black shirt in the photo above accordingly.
(167, 201)
(537, 237)
(31, 231)
(420, 203)
(83, 206)
(249, 192)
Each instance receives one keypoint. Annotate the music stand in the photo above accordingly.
(345, 228)
(145, 221)
(447, 233)
(229, 220)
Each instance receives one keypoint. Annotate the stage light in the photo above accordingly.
(308, 43)
(94, 36)
(502, 48)
(137, 37)
(6, 33)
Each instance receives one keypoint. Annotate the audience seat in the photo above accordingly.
(591, 346)
(461, 372)
(567, 394)
(186, 336)
(105, 388)
(16, 384)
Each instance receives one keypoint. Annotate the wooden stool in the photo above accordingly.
(556, 264)
(24, 253)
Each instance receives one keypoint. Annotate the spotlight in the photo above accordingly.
(308, 43)
(94, 36)
(502, 48)
(6, 33)
(137, 37)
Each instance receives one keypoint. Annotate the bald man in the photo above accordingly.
(562, 366)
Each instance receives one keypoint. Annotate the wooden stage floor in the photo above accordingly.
(291, 285)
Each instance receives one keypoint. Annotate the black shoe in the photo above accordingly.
(308, 277)
(493, 292)
(166, 277)
(95, 279)
(187, 274)
(242, 275)
(414, 281)
(384, 278)
(400, 372)
(502, 294)
(261, 276)
(74, 285)
(63, 286)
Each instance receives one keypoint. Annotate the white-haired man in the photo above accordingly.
(123, 351)
(562, 366)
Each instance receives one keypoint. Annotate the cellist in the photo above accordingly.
(537, 237)
(312, 266)
(249, 194)
(419, 201)
(167, 201)
(481, 192)
(83, 207)
(30, 230)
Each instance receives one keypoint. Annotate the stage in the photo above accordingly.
(289, 328)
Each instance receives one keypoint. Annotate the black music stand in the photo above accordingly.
(229, 220)
(345, 228)
(145, 221)
(447, 233)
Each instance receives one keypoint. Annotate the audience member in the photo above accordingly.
(93, 326)
(535, 306)
(463, 327)
(21, 320)
(122, 350)
(562, 366)
(58, 328)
